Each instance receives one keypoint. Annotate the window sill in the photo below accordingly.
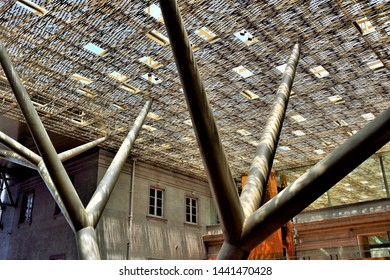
(156, 218)
(192, 225)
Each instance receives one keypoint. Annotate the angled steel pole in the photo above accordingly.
(256, 183)
(254, 188)
(384, 176)
(16, 158)
(218, 172)
(42, 170)
(103, 191)
(48, 153)
(19, 149)
(64, 156)
(311, 185)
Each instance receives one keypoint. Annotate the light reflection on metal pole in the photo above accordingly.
(315, 182)
(42, 140)
(254, 188)
(218, 172)
(103, 191)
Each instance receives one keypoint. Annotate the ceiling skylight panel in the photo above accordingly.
(158, 38)
(188, 122)
(95, 49)
(149, 127)
(298, 133)
(376, 65)
(281, 68)
(319, 152)
(147, 60)
(364, 26)
(249, 94)
(246, 37)
(118, 106)
(298, 118)
(368, 116)
(86, 93)
(336, 99)
(243, 132)
(284, 148)
(81, 79)
(32, 7)
(154, 116)
(243, 72)
(129, 88)
(207, 35)
(151, 78)
(155, 12)
(118, 76)
(319, 72)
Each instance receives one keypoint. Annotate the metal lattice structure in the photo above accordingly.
(342, 79)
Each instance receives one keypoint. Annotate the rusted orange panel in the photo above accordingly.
(272, 247)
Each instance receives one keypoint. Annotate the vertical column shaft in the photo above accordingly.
(218, 172)
(254, 188)
(87, 246)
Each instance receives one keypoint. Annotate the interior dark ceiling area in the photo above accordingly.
(89, 67)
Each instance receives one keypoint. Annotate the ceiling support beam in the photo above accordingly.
(16, 158)
(18, 148)
(255, 224)
(42, 140)
(256, 183)
(315, 182)
(42, 170)
(64, 156)
(214, 159)
(82, 220)
(254, 189)
(103, 191)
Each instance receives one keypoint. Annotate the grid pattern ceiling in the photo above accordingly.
(89, 67)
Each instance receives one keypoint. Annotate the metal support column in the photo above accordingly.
(48, 153)
(19, 148)
(254, 188)
(256, 183)
(87, 245)
(384, 176)
(320, 178)
(16, 158)
(64, 156)
(103, 191)
(218, 172)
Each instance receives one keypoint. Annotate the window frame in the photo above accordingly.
(156, 207)
(189, 215)
(26, 208)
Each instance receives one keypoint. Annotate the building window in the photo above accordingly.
(191, 210)
(376, 246)
(156, 197)
(26, 208)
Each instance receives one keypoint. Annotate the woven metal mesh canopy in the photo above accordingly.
(89, 66)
